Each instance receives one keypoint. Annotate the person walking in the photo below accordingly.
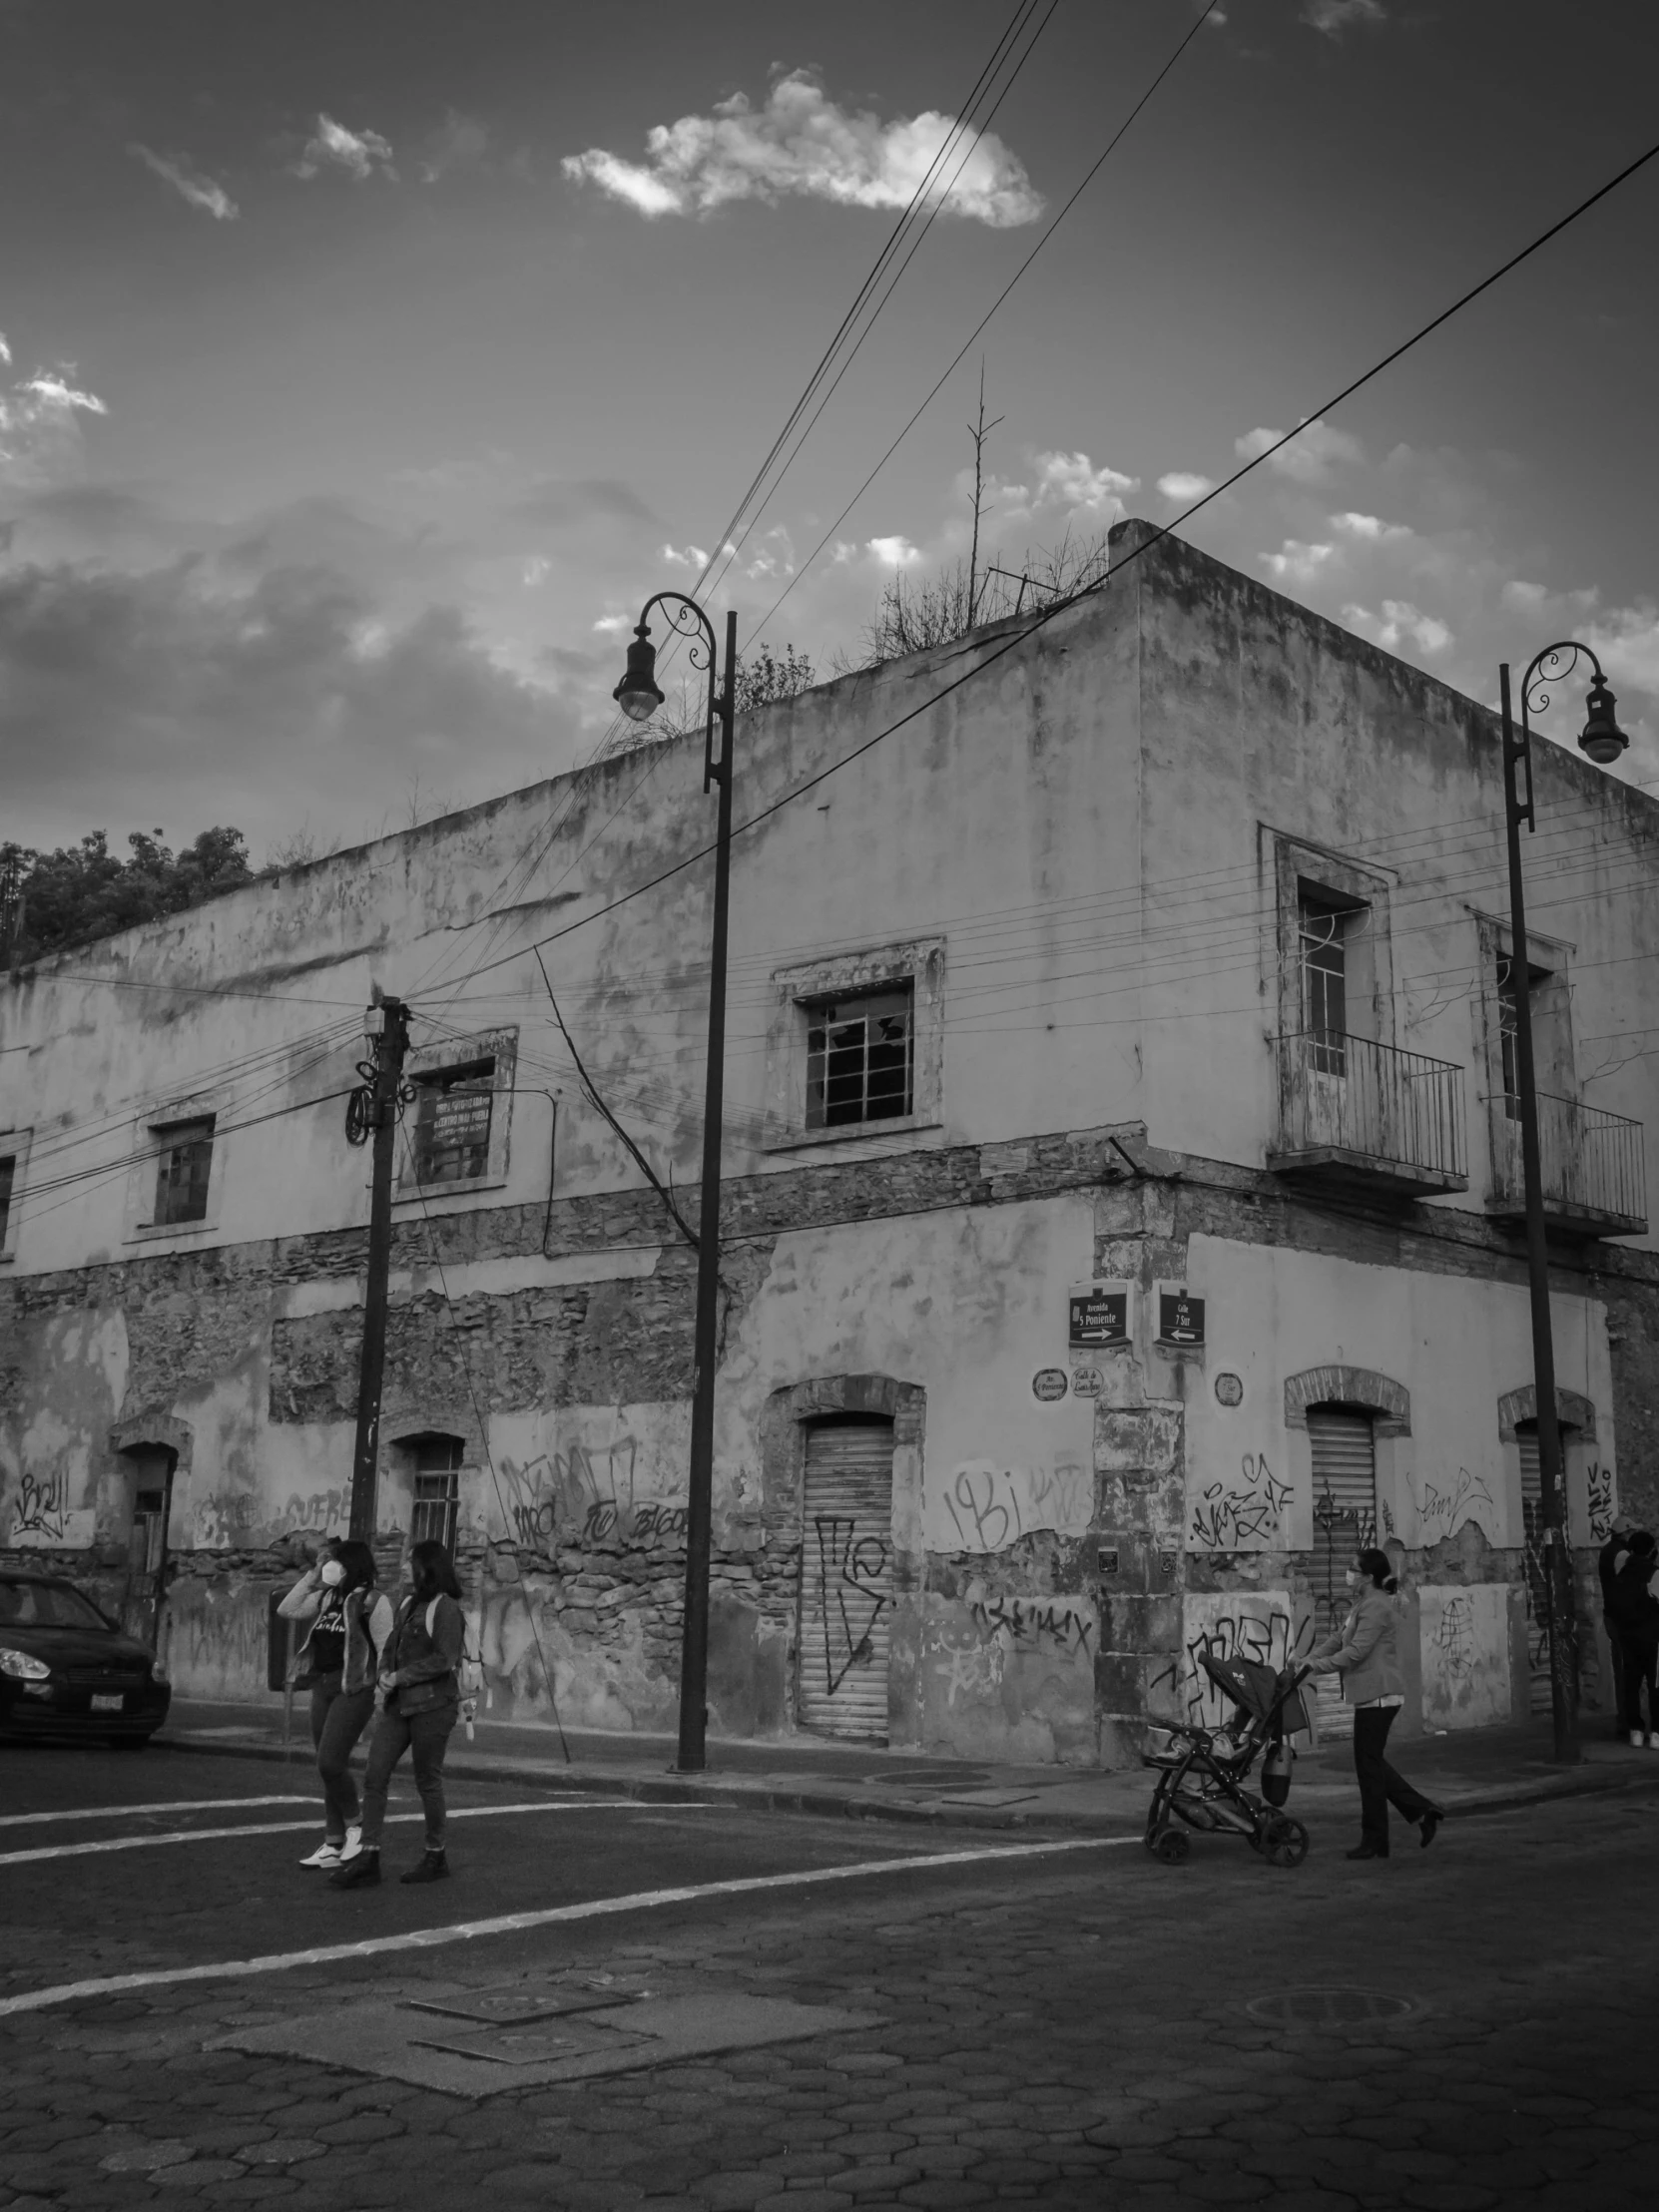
(1608, 1560)
(420, 1686)
(348, 1621)
(1634, 1611)
(1366, 1653)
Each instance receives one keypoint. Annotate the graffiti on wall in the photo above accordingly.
(1599, 1501)
(987, 1508)
(1062, 1624)
(40, 1510)
(851, 1594)
(583, 1496)
(1463, 1633)
(1229, 1624)
(1442, 1507)
(1246, 1511)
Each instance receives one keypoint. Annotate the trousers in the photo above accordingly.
(425, 1737)
(338, 1717)
(1380, 1785)
(1640, 1656)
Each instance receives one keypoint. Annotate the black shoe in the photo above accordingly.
(357, 1873)
(1427, 1825)
(1365, 1851)
(434, 1866)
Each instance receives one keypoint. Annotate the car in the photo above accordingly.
(65, 1669)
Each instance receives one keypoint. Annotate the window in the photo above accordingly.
(437, 1488)
(1507, 1017)
(1323, 955)
(184, 1167)
(8, 1176)
(452, 1123)
(860, 1057)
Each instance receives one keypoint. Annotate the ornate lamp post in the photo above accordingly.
(1603, 740)
(639, 698)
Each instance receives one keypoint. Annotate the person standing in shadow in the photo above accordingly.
(1634, 1611)
(1366, 1653)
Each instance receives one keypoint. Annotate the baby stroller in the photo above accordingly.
(1201, 1774)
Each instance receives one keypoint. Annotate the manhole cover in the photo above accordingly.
(1328, 2007)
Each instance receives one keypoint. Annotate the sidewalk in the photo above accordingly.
(1482, 1771)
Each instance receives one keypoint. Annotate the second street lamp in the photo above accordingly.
(1603, 740)
(639, 697)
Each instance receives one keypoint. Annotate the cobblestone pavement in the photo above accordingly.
(1066, 2030)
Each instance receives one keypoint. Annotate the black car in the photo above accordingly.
(66, 1670)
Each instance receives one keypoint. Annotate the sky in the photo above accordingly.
(367, 367)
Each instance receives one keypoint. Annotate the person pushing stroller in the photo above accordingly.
(1366, 1653)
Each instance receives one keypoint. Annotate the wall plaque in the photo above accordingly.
(1098, 1317)
(1229, 1389)
(1049, 1386)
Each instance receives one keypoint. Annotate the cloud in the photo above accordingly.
(1313, 453)
(40, 433)
(5, 351)
(689, 556)
(1298, 563)
(1371, 529)
(181, 678)
(896, 552)
(1333, 17)
(190, 185)
(359, 153)
(1181, 484)
(460, 142)
(562, 502)
(1398, 624)
(1627, 640)
(802, 144)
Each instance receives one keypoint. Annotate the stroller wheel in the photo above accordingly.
(1284, 1842)
(1171, 1847)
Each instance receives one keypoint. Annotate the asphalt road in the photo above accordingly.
(1461, 2029)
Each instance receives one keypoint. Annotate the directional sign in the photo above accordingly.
(1099, 1315)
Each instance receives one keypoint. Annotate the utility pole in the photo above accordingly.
(978, 431)
(373, 1115)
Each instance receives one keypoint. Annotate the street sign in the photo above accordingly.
(1049, 1386)
(1179, 1317)
(1099, 1317)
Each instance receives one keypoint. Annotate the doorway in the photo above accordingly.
(1344, 1440)
(846, 1582)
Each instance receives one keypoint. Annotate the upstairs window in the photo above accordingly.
(8, 1179)
(1322, 934)
(184, 1168)
(1509, 1014)
(452, 1120)
(860, 1057)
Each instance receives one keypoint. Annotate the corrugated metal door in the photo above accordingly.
(1345, 1523)
(1537, 1584)
(846, 1578)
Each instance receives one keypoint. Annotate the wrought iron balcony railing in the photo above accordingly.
(1594, 1172)
(1353, 1110)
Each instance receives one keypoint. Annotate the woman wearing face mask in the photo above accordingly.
(347, 1623)
(1366, 1653)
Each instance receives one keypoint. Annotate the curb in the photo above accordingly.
(1588, 1781)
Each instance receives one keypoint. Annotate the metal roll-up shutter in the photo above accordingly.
(1537, 1582)
(1345, 1523)
(846, 1578)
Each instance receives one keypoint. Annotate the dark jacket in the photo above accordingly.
(426, 1664)
(1608, 1558)
(1632, 1608)
(361, 1619)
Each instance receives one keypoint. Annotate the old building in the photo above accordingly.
(1122, 1217)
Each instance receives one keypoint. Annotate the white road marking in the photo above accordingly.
(125, 1812)
(512, 1923)
(282, 1828)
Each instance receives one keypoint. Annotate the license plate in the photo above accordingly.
(102, 1704)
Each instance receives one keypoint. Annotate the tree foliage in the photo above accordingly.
(82, 891)
(915, 614)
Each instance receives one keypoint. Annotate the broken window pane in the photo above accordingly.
(452, 1123)
(860, 1057)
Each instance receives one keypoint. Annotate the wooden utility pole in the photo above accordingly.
(978, 431)
(373, 1115)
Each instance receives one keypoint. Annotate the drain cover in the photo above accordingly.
(1337, 2007)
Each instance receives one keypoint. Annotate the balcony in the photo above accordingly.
(1594, 1174)
(1359, 1113)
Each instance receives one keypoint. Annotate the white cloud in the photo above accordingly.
(360, 153)
(1398, 624)
(40, 436)
(537, 569)
(686, 556)
(1333, 17)
(1181, 484)
(802, 144)
(1371, 529)
(1072, 480)
(190, 185)
(1298, 563)
(894, 552)
(612, 626)
(5, 349)
(1627, 640)
(1314, 451)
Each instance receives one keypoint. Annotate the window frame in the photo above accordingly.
(151, 1132)
(835, 1012)
(449, 1058)
(172, 1138)
(447, 1499)
(1305, 875)
(796, 990)
(15, 1146)
(1549, 971)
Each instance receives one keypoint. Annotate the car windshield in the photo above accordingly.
(47, 1605)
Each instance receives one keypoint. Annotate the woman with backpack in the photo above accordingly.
(348, 1621)
(420, 1685)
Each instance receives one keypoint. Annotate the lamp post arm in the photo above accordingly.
(704, 650)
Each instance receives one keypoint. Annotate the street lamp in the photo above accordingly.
(1603, 740)
(639, 697)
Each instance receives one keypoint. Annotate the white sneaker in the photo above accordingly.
(326, 1855)
(352, 1846)
(1638, 1739)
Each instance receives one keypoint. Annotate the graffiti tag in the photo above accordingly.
(41, 1509)
(992, 1508)
(1442, 1511)
(851, 1571)
(1026, 1620)
(1598, 1490)
(1231, 1516)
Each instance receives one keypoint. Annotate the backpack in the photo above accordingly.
(469, 1672)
